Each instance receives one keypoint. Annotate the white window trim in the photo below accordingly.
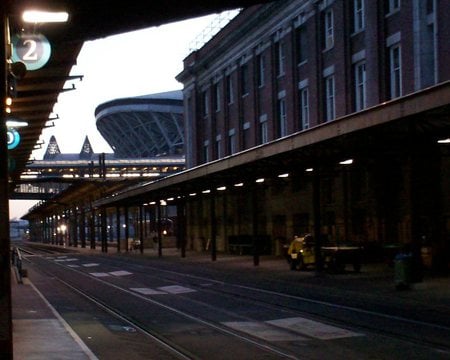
(282, 116)
(329, 29)
(264, 132)
(393, 71)
(360, 87)
(330, 101)
(359, 20)
(304, 107)
(392, 8)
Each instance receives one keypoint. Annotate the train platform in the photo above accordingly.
(39, 332)
(35, 321)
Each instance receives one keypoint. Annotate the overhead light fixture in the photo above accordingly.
(285, 175)
(239, 184)
(206, 191)
(309, 169)
(444, 141)
(37, 16)
(261, 180)
(346, 162)
(222, 188)
(16, 123)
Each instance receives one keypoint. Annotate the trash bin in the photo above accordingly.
(403, 271)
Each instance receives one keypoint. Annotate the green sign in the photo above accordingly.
(32, 49)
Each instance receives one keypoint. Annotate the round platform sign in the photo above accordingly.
(33, 50)
(13, 138)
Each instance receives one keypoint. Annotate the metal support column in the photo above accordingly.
(118, 228)
(141, 228)
(127, 228)
(92, 228)
(255, 243)
(103, 230)
(159, 228)
(317, 224)
(181, 228)
(212, 212)
(5, 270)
(82, 231)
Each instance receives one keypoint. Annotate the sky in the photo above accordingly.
(131, 64)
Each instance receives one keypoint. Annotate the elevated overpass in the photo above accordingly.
(43, 179)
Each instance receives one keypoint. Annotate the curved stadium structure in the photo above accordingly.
(144, 126)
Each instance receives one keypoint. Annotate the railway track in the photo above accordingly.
(205, 304)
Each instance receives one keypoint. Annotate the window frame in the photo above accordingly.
(359, 21)
(395, 71)
(328, 29)
(330, 98)
(304, 107)
(229, 89)
(360, 86)
(261, 64)
(282, 118)
(280, 58)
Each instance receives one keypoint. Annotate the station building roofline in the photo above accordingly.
(432, 101)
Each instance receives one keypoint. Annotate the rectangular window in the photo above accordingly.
(260, 63)
(329, 29)
(205, 103)
(232, 143)
(282, 118)
(358, 15)
(392, 6)
(218, 149)
(395, 75)
(264, 132)
(304, 108)
(244, 80)
(330, 110)
(216, 90)
(360, 86)
(229, 87)
(205, 153)
(302, 44)
(279, 53)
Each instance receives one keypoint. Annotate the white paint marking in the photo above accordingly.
(120, 273)
(66, 259)
(313, 328)
(147, 291)
(73, 266)
(176, 289)
(264, 331)
(99, 274)
(90, 265)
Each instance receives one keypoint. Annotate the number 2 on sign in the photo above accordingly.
(31, 54)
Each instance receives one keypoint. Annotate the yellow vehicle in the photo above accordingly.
(301, 254)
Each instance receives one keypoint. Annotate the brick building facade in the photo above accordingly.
(283, 70)
(287, 66)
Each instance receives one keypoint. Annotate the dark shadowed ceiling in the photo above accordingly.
(37, 92)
